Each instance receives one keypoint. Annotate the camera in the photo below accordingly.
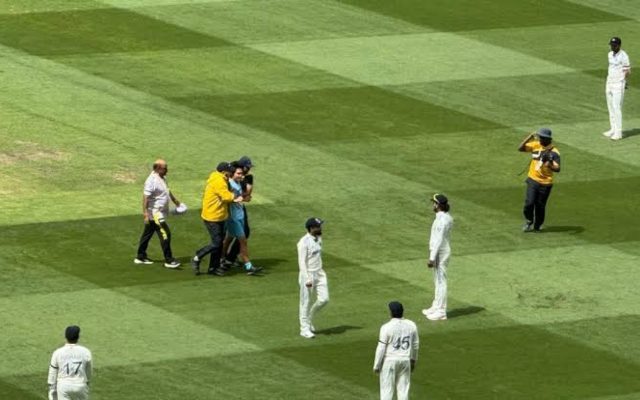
(546, 156)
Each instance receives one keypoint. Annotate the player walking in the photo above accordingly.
(312, 279)
(70, 369)
(396, 354)
(619, 69)
(439, 253)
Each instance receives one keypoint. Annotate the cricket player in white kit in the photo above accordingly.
(619, 69)
(70, 369)
(396, 354)
(314, 289)
(439, 253)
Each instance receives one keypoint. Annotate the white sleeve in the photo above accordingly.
(380, 349)
(149, 187)
(437, 239)
(302, 258)
(415, 344)
(53, 370)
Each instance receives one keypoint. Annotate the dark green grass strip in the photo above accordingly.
(463, 15)
(95, 31)
(338, 114)
(10, 391)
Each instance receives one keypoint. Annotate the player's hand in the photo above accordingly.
(431, 264)
(146, 217)
(53, 395)
(238, 199)
(309, 284)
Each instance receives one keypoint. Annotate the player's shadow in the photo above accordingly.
(573, 230)
(337, 330)
(630, 133)
(461, 312)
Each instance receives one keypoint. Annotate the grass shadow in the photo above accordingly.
(631, 133)
(337, 330)
(573, 230)
(461, 312)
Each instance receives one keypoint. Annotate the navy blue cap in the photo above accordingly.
(615, 40)
(440, 199)
(313, 221)
(245, 162)
(544, 132)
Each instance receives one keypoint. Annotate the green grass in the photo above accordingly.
(355, 111)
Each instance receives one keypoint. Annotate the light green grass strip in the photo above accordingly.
(626, 8)
(401, 59)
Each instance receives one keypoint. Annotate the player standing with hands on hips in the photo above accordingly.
(545, 160)
(396, 354)
(439, 253)
(619, 69)
(314, 289)
(70, 369)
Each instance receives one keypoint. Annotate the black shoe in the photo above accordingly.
(253, 270)
(195, 266)
(217, 272)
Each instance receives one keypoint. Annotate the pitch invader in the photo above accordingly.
(619, 69)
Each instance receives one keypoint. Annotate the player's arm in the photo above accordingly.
(554, 162)
(303, 262)
(523, 145)
(415, 345)
(248, 185)
(222, 189)
(381, 349)
(52, 379)
(174, 199)
(89, 369)
(437, 243)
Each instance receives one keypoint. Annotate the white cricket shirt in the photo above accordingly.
(618, 65)
(70, 363)
(440, 234)
(309, 254)
(156, 189)
(398, 340)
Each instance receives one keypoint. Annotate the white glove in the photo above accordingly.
(181, 209)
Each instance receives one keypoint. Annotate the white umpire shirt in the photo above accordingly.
(70, 364)
(157, 191)
(618, 65)
(398, 341)
(440, 234)
(309, 256)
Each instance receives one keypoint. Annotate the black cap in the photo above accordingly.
(615, 40)
(313, 221)
(223, 167)
(439, 199)
(544, 132)
(72, 333)
(245, 162)
(396, 309)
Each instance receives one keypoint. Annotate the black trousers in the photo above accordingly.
(163, 232)
(216, 232)
(234, 249)
(535, 203)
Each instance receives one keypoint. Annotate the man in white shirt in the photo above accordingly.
(439, 253)
(396, 354)
(314, 289)
(619, 69)
(155, 208)
(70, 369)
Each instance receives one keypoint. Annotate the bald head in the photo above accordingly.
(160, 166)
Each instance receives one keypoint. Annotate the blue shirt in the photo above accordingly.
(235, 209)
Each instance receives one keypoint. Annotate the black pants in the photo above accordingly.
(216, 232)
(234, 249)
(163, 232)
(536, 202)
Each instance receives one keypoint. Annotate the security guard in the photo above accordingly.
(545, 160)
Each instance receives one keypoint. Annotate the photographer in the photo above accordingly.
(545, 160)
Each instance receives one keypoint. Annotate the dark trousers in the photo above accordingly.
(163, 232)
(536, 202)
(216, 232)
(234, 249)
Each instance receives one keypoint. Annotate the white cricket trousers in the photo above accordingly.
(72, 391)
(440, 281)
(312, 299)
(615, 96)
(395, 375)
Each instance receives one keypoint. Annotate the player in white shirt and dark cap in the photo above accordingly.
(396, 354)
(439, 253)
(70, 369)
(314, 289)
(619, 69)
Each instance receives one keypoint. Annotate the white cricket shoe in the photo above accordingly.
(608, 133)
(615, 137)
(307, 334)
(428, 311)
(437, 316)
(173, 264)
(312, 328)
(142, 261)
